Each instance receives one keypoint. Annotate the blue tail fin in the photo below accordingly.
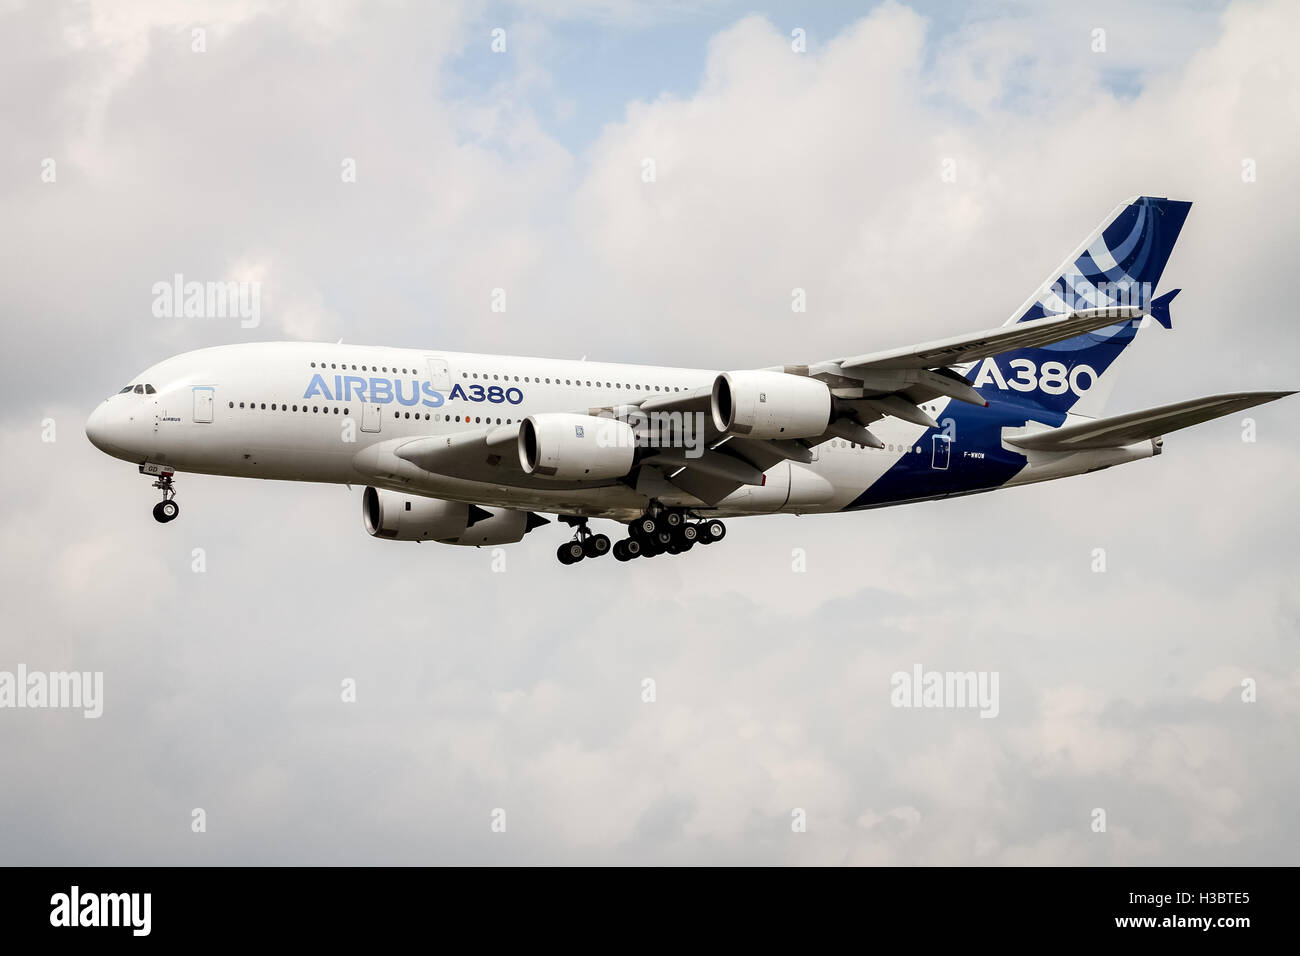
(1119, 264)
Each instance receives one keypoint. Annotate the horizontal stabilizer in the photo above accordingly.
(1160, 308)
(1120, 430)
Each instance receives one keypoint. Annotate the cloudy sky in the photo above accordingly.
(522, 689)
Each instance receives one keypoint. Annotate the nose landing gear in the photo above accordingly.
(167, 509)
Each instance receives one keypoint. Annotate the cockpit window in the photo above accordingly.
(149, 390)
(139, 389)
(125, 390)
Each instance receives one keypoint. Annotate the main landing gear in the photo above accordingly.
(584, 543)
(167, 509)
(668, 532)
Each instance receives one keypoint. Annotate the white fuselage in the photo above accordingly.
(268, 422)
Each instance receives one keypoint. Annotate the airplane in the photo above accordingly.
(470, 449)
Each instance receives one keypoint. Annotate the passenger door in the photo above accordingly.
(372, 417)
(204, 399)
(942, 451)
(439, 374)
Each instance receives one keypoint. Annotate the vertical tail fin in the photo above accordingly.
(1119, 264)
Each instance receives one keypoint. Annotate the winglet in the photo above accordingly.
(1160, 308)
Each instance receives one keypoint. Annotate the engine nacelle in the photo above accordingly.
(770, 405)
(390, 514)
(570, 447)
(402, 517)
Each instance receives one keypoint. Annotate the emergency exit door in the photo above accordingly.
(439, 374)
(203, 402)
(942, 450)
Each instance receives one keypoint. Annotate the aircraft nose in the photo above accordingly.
(100, 430)
(95, 427)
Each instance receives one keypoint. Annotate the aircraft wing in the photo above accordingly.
(866, 388)
(897, 382)
(719, 464)
(960, 349)
(1119, 430)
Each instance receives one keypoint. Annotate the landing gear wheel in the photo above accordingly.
(686, 535)
(595, 546)
(633, 548)
(620, 551)
(167, 509)
(715, 530)
(672, 519)
(571, 552)
(644, 527)
(663, 539)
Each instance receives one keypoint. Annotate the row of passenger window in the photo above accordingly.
(537, 380)
(530, 379)
(343, 367)
(841, 443)
(277, 407)
(480, 420)
(326, 410)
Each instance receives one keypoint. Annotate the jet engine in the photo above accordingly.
(761, 404)
(570, 447)
(405, 517)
